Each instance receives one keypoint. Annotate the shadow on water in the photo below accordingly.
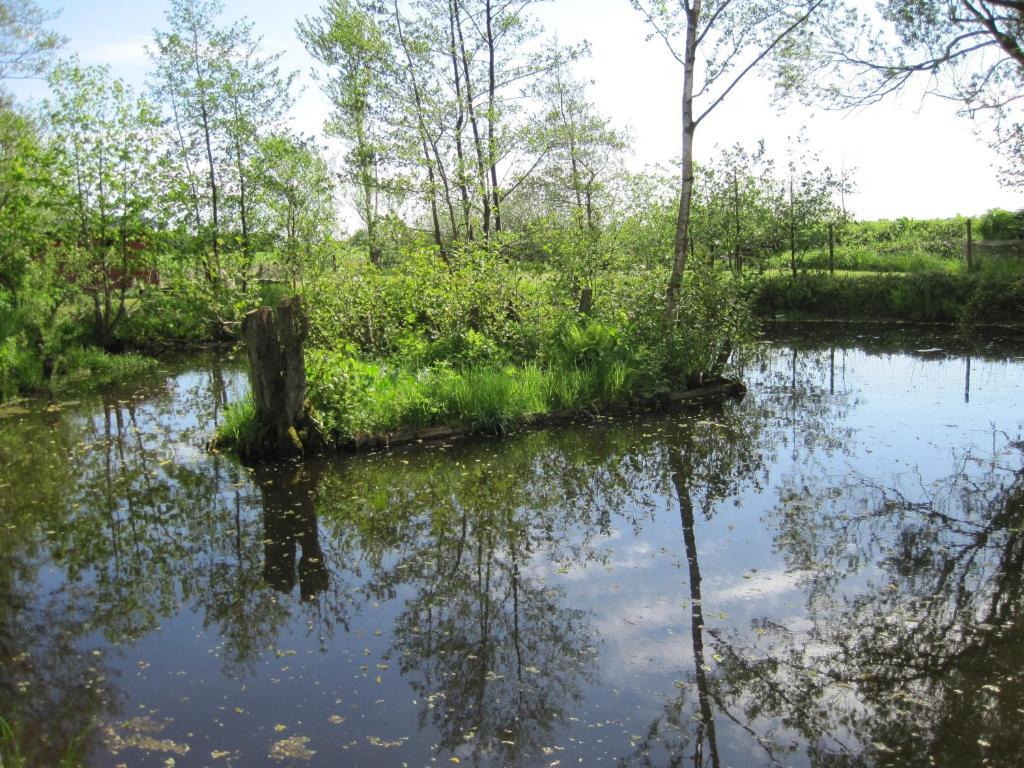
(790, 580)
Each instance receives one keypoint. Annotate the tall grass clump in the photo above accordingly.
(240, 427)
(491, 398)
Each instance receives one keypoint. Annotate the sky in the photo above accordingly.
(911, 156)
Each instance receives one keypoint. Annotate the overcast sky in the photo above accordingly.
(910, 157)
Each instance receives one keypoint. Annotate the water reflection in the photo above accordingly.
(919, 659)
(494, 653)
(792, 579)
(290, 524)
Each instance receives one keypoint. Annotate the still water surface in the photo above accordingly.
(828, 572)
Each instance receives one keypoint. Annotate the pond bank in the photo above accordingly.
(352, 401)
(713, 392)
(916, 297)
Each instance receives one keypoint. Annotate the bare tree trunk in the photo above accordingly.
(244, 213)
(209, 159)
(492, 154)
(460, 118)
(736, 212)
(421, 123)
(675, 281)
(477, 140)
(792, 230)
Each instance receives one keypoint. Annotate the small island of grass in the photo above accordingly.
(481, 345)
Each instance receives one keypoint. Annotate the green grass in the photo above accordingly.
(863, 259)
(354, 399)
(988, 296)
(239, 427)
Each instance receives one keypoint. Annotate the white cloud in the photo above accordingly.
(117, 53)
(760, 585)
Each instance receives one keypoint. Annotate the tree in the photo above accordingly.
(346, 40)
(256, 96)
(297, 200)
(222, 95)
(738, 206)
(811, 205)
(104, 140)
(723, 41)
(579, 145)
(579, 149)
(22, 178)
(969, 51)
(186, 59)
(428, 97)
(503, 32)
(25, 46)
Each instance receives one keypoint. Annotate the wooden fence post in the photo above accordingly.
(969, 252)
(831, 248)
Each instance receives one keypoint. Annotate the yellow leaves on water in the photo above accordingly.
(384, 743)
(136, 733)
(292, 748)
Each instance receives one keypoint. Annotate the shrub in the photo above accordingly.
(80, 367)
(21, 370)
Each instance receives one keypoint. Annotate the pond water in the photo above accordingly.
(828, 572)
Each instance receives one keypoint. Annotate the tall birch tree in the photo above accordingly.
(717, 44)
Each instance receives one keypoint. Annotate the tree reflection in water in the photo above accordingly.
(918, 662)
(709, 463)
(290, 523)
(496, 657)
(906, 653)
(910, 650)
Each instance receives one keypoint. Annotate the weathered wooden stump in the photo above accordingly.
(274, 342)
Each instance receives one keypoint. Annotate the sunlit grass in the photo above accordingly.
(239, 427)
(354, 398)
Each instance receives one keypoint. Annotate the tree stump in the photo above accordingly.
(277, 372)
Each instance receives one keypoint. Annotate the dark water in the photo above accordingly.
(827, 573)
